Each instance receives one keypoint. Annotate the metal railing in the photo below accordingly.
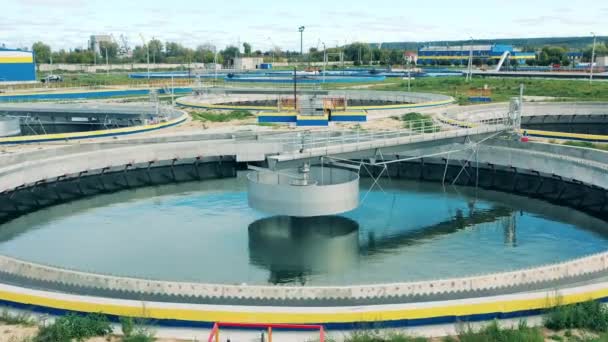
(313, 139)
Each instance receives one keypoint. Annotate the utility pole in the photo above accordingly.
(295, 97)
(148, 54)
(592, 60)
(107, 63)
(324, 61)
(470, 66)
(301, 29)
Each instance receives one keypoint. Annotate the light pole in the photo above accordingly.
(148, 53)
(470, 66)
(271, 48)
(592, 59)
(324, 61)
(107, 64)
(301, 29)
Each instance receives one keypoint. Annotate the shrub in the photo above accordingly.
(127, 325)
(74, 327)
(591, 315)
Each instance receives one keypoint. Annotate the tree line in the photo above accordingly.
(358, 53)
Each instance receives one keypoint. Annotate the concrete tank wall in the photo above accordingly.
(9, 127)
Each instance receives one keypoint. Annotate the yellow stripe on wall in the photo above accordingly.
(292, 315)
(15, 60)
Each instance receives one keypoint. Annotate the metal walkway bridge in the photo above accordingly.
(312, 146)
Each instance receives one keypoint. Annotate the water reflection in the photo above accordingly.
(475, 217)
(293, 248)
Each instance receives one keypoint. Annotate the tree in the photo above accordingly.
(112, 49)
(229, 53)
(42, 52)
(156, 50)
(600, 50)
(553, 55)
(247, 49)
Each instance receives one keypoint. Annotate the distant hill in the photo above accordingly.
(572, 43)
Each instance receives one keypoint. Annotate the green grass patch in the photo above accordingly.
(222, 117)
(504, 88)
(418, 122)
(74, 327)
(494, 333)
(376, 336)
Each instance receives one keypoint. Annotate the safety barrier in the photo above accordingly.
(214, 335)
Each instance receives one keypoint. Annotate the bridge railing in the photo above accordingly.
(214, 335)
(311, 139)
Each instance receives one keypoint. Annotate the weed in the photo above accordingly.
(16, 319)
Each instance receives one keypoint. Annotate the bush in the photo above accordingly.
(127, 325)
(591, 315)
(419, 122)
(74, 327)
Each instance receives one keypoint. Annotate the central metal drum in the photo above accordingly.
(304, 192)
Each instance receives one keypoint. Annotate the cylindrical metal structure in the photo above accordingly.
(329, 191)
(9, 127)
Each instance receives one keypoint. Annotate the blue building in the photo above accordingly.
(459, 54)
(17, 66)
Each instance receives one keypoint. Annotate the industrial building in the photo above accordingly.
(96, 40)
(17, 66)
(246, 63)
(431, 55)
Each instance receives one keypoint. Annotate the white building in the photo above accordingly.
(246, 63)
(95, 40)
(601, 61)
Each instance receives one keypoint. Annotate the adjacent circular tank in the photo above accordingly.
(9, 127)
(304, 192)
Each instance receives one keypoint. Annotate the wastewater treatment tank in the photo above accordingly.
(303, 192)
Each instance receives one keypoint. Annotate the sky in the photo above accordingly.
(69, 23)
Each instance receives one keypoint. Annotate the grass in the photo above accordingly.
(494, 333)
(222, 117)
(587, 144)
(591, 315)
(504, 88)
(16, 319)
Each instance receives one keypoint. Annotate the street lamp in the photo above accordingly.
(324, 61)
(592, 59)
(107, 64)
(301, 29)
(271, 48)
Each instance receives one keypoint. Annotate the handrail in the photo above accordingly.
(214, 334)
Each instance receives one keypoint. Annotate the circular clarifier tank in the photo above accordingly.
(206, 232)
